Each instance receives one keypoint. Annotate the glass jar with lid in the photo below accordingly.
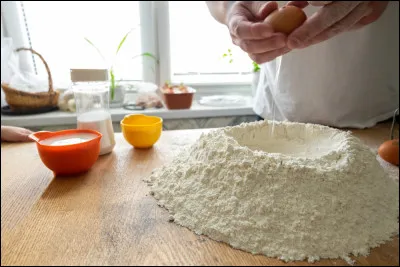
(91, 91)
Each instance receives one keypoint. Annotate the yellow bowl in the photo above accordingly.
(141, 131)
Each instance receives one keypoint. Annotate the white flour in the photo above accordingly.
(320, 194)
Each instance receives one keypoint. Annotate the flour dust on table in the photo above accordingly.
(307, 192)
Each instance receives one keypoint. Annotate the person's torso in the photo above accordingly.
(350, 80)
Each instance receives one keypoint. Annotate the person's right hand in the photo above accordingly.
(248, 30)
(333, 18)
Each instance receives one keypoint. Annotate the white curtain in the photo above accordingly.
(13, 24)
(3, 101)
(14, 32)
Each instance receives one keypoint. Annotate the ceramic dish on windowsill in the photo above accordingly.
(177, 96)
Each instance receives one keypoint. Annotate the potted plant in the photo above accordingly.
(117, 92)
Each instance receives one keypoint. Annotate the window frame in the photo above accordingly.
(155, 39)
(157, 26)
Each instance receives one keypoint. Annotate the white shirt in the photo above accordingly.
(351, 80)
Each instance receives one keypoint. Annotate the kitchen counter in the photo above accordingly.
(107, 217)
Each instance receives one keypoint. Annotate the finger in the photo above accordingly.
(377, 9)
(27, 131)
(268, 56)
(20, 135)
(24, 138)
(243, 29)
(319, 3)
(324, 18)
(27, 139)
(345, 24)
(261, 46)
(299, 4)
(267, 9)
(27, 134)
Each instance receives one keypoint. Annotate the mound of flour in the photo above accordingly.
(302, 192)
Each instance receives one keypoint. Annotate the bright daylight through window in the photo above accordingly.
(200, 49)
(58, 29)
(198, 45)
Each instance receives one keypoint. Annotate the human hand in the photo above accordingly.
(333, 18)
(15, 134)
(248, 30)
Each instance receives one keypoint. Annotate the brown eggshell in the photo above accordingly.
(286, 19)
(389, 151)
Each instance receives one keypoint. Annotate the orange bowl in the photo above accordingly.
(68, 158)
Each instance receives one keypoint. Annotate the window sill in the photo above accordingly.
(216, 80)
(117, 114)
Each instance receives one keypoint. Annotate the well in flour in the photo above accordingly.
(309, 192)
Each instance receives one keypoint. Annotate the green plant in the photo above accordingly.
(111, 68)
(228, 55)
(256, 67)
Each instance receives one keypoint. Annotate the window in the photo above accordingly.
(188, 43)
(198, 43)
(57, 30)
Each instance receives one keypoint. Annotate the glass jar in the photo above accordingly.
(92, 108)
(130, 97)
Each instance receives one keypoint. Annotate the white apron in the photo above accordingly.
(351, 80)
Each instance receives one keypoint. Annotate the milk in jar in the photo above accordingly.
(99, 121)
(92, 107)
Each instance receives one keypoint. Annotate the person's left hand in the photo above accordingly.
(333, 18)
(249, 31)
(15, 134)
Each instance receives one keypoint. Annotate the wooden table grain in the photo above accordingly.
(107, 217)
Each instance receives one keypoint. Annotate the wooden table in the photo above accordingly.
(106, 217)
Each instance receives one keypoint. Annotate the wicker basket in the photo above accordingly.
(20, 100)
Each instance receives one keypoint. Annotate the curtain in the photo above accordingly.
(14, 33)
(14, 26)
